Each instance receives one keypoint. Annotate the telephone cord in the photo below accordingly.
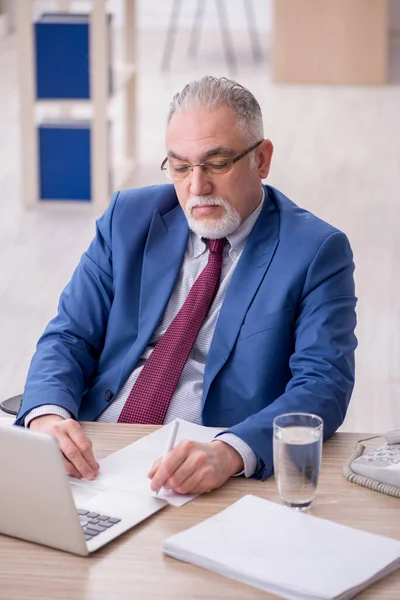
(372, 484)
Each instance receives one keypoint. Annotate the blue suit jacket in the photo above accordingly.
(284, 340)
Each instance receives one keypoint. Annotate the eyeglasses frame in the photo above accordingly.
(231, 161)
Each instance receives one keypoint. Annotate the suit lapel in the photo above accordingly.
(249, 273)
(162, 260)
(163, 256)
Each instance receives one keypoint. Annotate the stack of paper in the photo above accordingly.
(282, 551)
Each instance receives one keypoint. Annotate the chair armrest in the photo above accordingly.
(11, 405)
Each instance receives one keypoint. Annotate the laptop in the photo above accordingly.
(37, 503)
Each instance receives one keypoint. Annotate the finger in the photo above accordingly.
(169, 465)
(200, 473)
(193, 482)
(73, 455)
(71, 471)
(83, 444)
(190, 456)
(184, 471)
(154, 469)
(192, 471)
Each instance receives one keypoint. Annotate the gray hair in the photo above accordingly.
(211, 93)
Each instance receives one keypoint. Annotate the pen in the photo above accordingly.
(171, 441)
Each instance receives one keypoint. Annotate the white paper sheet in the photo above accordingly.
(127, 468)
(292, 554)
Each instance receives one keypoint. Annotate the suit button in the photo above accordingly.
(108, 395)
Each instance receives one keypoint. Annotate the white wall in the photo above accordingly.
(155, 14)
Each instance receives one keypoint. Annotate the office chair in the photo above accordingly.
(11, 405)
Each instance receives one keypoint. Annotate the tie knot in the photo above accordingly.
(217, 246)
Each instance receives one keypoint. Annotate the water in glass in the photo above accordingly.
(297, 460)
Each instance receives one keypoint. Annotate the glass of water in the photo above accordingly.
(297, 457)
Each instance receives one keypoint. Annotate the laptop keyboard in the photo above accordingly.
(94, 523)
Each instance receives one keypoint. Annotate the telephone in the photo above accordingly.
(377, 469)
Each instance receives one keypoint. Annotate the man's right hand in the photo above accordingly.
(74, 444)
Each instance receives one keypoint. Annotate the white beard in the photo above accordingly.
(212, 229)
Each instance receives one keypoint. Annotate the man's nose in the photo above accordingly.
(200, 183)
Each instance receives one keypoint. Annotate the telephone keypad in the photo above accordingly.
(380, 464)
(383, 455)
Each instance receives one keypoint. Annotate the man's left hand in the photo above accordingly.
(194, 468)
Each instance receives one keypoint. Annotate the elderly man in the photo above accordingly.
(214, 299)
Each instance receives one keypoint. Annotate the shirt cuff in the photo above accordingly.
(249, 457)
(46, 409)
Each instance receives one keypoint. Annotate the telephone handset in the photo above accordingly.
(377, 469)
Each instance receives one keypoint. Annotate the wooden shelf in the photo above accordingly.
(99, 108)
(123, 74)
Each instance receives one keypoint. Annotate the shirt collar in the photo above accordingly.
(237, 239)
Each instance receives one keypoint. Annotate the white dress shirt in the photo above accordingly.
(186, 402)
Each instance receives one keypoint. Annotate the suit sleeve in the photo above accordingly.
(322, 364)
(67, 352)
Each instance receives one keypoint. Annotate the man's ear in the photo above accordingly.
(264, 157)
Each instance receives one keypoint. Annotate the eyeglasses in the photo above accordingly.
(176, 169)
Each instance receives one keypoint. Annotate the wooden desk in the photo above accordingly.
(133, 566)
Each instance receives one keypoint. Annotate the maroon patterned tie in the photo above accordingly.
(149, 398)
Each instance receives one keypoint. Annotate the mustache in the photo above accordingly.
(204, 201)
